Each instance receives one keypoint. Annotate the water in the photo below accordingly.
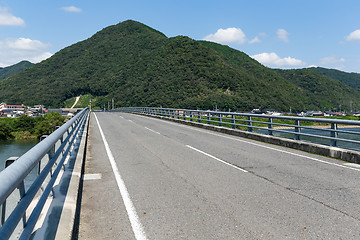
(14, 149)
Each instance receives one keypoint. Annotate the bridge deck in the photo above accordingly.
(188, 183)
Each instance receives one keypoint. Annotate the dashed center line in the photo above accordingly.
(217, 159)
(152, 130)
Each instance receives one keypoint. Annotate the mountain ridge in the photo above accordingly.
(13, 69)
(137, 65)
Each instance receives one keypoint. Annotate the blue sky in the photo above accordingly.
(278, 33)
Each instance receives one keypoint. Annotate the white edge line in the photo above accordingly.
(130, 208)
(217, 159)
(152, 130)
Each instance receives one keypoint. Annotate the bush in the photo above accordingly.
(5, 131)
(47, 124)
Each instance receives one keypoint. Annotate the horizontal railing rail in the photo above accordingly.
(56, 148)
(327, 131)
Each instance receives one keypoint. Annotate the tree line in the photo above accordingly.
(25, 127)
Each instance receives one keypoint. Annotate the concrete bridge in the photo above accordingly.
(146, 178)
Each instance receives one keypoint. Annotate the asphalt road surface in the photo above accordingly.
(147, 178)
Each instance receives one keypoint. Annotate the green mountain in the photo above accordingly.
(138, 66)
(13, 69)
(350, 79)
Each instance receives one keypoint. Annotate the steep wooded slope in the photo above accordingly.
(138, 66)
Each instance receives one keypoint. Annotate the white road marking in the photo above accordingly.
(352, 165)
(130, 120)
(92, 176)
(263, 146)
(217, 159)
(283, 151)
(130, 208)
(152, 130)
(121, 117)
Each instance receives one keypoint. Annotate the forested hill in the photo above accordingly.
(13, 69)
(350, 79)
(138, 66)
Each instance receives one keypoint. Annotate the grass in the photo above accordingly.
(83, 102)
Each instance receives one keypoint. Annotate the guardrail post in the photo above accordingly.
(220, 119)
(270, 126)
(184, 115)
(297, 130)
(233, 121)
(199, 119)
(249, 124)
(208, 118)
(333, 134)
(2, 213)
(191, 116)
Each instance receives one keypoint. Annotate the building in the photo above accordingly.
(9, 110)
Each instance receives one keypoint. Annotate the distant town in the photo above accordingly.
(13, 111)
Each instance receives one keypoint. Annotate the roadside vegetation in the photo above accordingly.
(83, 102)
(29, 128)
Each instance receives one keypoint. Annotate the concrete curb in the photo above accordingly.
(67, 225)
(335, 152)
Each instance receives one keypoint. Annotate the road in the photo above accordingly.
(147, 178)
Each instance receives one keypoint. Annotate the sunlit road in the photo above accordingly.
(151, 179)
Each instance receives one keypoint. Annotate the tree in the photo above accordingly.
(5, 131)
(24, 123)
(47, 124)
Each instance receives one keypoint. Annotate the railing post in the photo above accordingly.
(2, 213)
(191, 116)
(199, 118)
(333, 134)
(270, 126)
(208, 118)
(184, 115)
(249, 124)
(297, 130)
(220, 119)
(233, 121)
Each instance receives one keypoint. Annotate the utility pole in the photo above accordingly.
(113, 104)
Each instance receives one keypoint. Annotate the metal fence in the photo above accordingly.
(327, 131)
(48, 156)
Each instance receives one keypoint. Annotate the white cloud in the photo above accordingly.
(7, 19)
(282, 35)
(255, 40)
(15, 50)
(273, 60)
(354, 36)
(26, 44)
(331, 60)
(229, 35)
(71, 9)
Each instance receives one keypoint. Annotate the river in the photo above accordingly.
(14, 149)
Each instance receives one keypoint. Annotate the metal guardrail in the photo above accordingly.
(57, 146)
(326, 130)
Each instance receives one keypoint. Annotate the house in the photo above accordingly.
(8, 110)
(4, 106)
(314, 113)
